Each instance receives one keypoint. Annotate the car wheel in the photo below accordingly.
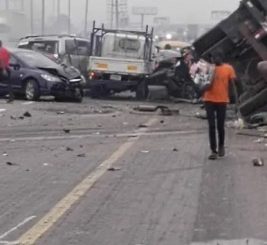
(78, 95)
(32, 91)
(142, 91)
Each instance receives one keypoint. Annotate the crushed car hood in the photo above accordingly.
(63, 71)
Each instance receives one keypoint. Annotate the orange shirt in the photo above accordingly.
(219, 90)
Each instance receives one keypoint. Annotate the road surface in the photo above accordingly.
(99, 173)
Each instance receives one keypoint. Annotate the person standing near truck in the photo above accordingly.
(216, 98)
(5, 71)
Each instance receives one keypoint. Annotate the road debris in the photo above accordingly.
(175, 150)
(60, 112)
(142, 126)
(81, 155)
(113, 169)
(27, 114)
(11, 164)
(67, 131)
(258, 162)
(69, 149)
(145, 151)
(4, 154)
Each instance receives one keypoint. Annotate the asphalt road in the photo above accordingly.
(99, 173)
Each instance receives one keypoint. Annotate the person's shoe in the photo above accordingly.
(221, 152)
(213, 156)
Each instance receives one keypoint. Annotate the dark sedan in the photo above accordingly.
(34, 75)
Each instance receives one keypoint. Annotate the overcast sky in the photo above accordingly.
(179, 11)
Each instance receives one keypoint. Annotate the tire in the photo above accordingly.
(78, 95)
(142, 91)
(32, 91)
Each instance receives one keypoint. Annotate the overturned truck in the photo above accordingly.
(242, 37)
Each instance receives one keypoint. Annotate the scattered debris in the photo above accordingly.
(142, 126)
(11, 164)
(113, 169)
(27, 114)
(260, 140)
(145, 151)
(258, 162)
(146, 108)
(175, 149)
(114, 116)
(99, 126)
(67, 131)
(46, 164)
(5, 154)
(27, 170)
(81, 155)
(201, 115)
(60, 112)
(162, 121)
(81, 146)
(69, 149)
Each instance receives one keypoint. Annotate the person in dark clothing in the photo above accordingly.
(216, 99)
(5, 71)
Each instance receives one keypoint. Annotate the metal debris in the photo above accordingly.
(81, 155)
(113, 169)
(11, 164)
(27, 114)
(258, 162)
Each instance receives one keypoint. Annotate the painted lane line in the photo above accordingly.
(9, 243)
(17, 227)
(85, 136)
(65, 204)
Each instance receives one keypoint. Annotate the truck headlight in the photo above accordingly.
(50, 78)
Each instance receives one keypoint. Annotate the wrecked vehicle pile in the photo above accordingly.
(242, 37)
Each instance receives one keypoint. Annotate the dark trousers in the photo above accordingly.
(216, 113)
(5, 76)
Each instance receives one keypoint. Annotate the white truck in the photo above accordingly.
(120, 60)
(13, 25)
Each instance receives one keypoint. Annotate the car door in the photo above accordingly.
(16, 73)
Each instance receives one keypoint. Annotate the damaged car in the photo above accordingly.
(34, 75)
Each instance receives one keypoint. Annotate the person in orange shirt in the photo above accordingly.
(216, 98)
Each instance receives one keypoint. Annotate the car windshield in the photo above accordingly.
(35, 59)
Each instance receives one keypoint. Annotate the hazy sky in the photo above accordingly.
(179, 11)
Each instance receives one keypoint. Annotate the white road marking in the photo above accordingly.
(9, 243)
(27, 103)
(17, 227)
(85, 136)
(66, 203)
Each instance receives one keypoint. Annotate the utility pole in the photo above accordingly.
(31, 10)
(43, 17)
(7, 5)
(86, 18)
(69, 14)
(58, 15)
(117, 13)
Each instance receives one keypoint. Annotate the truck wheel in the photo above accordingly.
(142, 91)
(32, 91)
